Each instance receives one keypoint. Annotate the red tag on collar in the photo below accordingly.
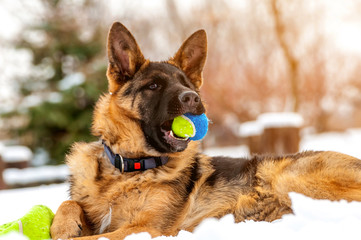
(137, 166)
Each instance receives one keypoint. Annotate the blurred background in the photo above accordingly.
(266, 56)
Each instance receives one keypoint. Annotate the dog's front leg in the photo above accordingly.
(122, 232)
(69, 222)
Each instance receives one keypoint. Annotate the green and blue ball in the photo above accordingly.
(190, 126)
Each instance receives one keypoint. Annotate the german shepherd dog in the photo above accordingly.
(140, 177)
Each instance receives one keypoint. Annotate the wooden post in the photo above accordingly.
(2, 167)
(281, 132)
(273, 133)
(252, 132)
(280, 140)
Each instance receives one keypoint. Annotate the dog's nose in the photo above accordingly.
(189, 99)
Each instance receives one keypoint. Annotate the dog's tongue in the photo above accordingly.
(167, 126)
(179, 144)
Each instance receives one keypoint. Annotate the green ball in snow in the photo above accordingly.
(35, 224)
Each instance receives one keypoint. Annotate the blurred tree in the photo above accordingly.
(293, 63)
(67, 44)
(251, 46)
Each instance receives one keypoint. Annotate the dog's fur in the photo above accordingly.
(142, 97)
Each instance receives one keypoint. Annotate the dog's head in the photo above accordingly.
(144, 97)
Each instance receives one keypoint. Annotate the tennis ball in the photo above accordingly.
(183, 127)
(35, 224)
(190, 126)
(9, 227)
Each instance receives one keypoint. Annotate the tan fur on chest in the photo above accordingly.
(132, 197)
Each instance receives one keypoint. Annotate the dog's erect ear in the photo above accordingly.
(191, 57)
(125, 57)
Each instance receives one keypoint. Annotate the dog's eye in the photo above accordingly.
(153, 86)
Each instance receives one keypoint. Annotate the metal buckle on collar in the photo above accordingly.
(119, 162)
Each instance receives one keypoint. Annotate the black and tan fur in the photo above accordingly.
(143, 99)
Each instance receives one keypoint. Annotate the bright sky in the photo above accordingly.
(344, 24)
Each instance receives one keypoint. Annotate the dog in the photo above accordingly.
(140, 177)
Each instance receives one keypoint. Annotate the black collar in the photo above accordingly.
(133, 164)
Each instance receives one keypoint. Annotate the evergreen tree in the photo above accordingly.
(68, 48)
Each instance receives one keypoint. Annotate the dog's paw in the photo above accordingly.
(66, 230)
(69, 222)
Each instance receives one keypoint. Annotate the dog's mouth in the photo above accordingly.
(176, 142)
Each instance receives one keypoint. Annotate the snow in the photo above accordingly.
(313, 219)
(15, 153)
(14, 203)
(55, 97)
(270, 120)
(71, 81)
(237, 151)
(251, 128)
(348, 142)
(14, 236)
(280, 119)
(14, 176)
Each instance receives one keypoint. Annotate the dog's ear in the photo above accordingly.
(125, 57)
(191, 57)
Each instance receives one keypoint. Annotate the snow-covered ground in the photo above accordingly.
(348, 142)
(14, 176)
(15, 203)
(313, 219)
